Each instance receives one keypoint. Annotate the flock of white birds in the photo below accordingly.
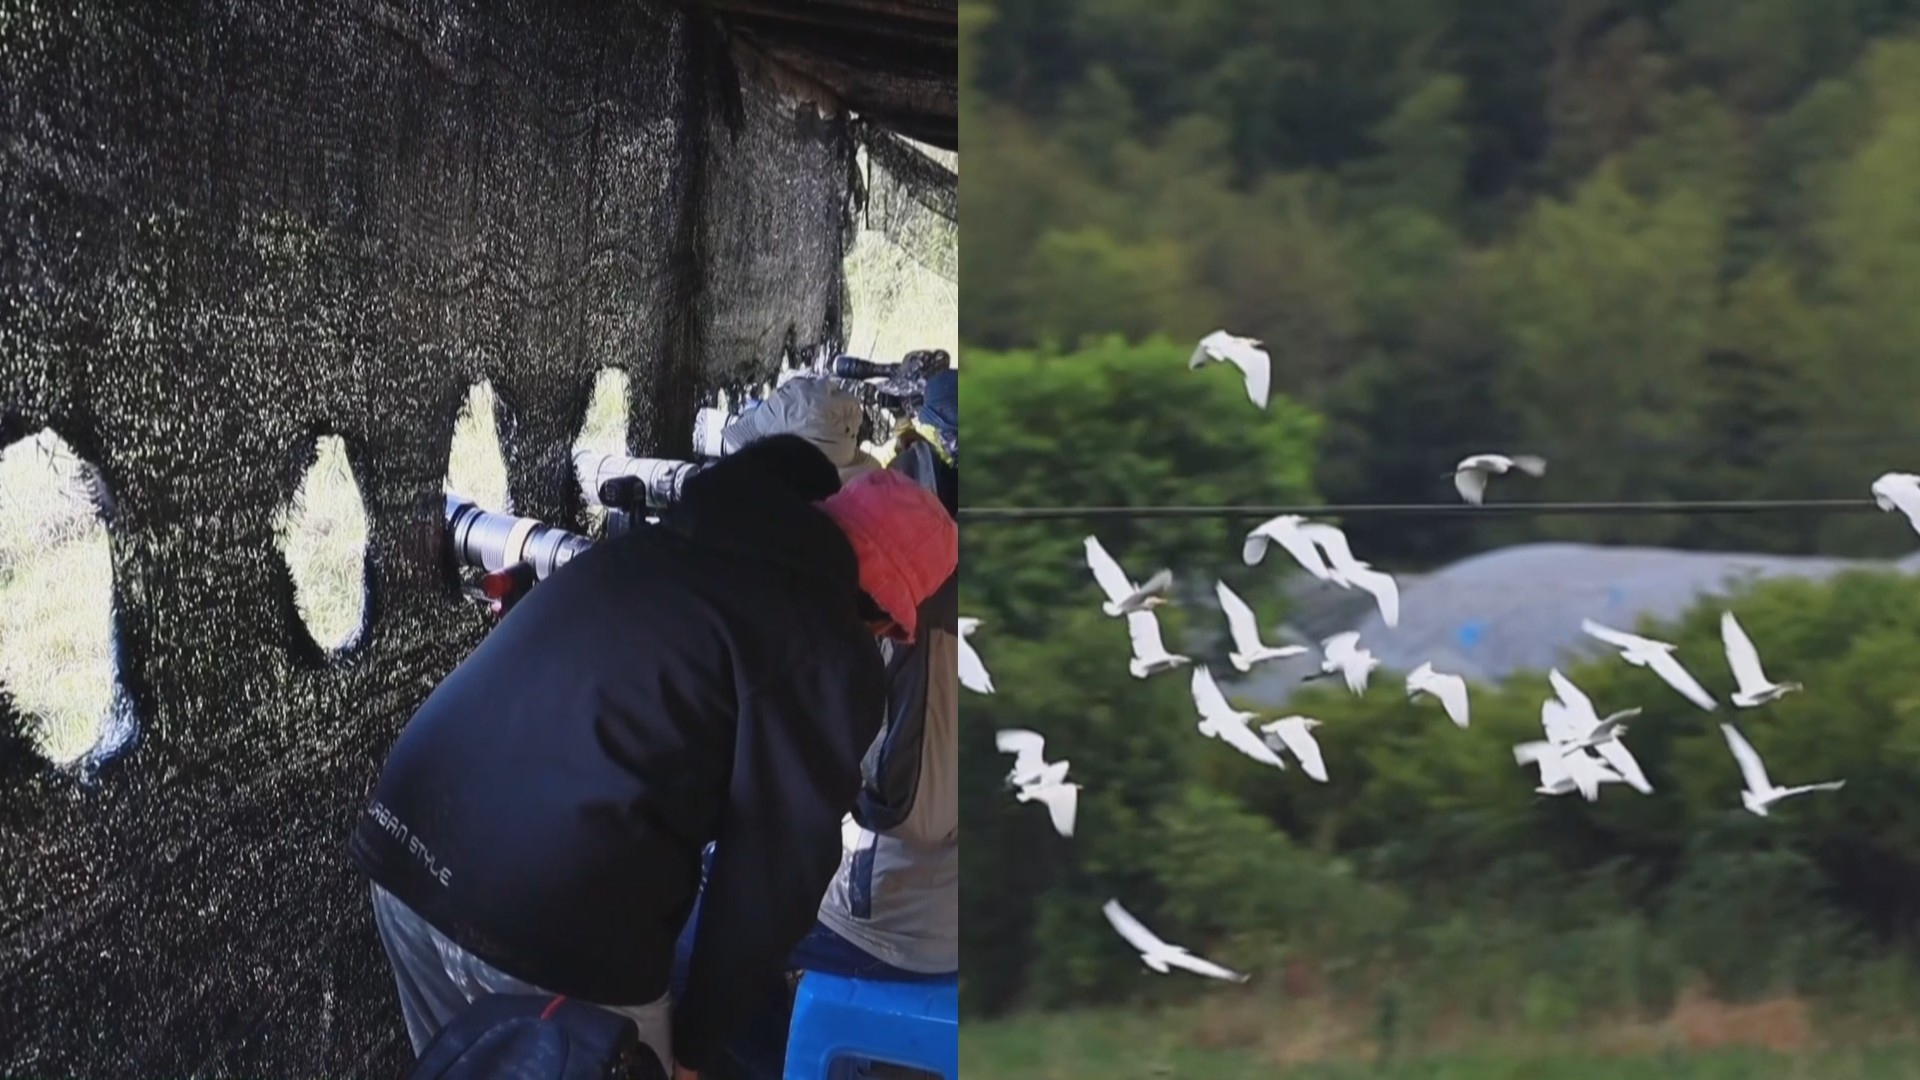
(1582, 751)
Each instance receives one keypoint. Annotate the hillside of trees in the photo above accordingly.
(1671, 245)
(1674, 247)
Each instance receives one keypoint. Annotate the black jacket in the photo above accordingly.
(704, 679)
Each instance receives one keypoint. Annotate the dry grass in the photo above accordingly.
(1701, 1023)
(1293, 1032)
(323, 534)
(56, 580)
(56, 572)
(1233, 1034)
(896, 305)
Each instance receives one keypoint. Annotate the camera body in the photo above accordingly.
(887, 392)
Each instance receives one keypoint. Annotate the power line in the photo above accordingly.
(1542, 509)
(1550, 447)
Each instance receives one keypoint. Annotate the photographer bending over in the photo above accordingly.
(539, 823)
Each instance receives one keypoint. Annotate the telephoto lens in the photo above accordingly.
(852, 367)
(645, 483)
(489, 541)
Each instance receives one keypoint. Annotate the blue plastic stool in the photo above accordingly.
(912, 1024)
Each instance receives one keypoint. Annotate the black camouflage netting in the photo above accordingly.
(913, 201)
(230, 228)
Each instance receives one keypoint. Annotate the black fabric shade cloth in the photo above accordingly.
(896, 62)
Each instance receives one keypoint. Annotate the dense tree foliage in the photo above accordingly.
(1113, 425)
(1669, 244)
(1672, 245)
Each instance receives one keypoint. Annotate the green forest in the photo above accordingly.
(1672, 247)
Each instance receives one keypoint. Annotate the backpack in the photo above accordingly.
(535, 1037)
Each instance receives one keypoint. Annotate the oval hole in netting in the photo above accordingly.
(476, 469)
(605, 429)
(323, 537)
(56, 595)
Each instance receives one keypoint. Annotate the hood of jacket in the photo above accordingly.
(745, 512)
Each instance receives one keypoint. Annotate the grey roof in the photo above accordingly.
(1519, 608)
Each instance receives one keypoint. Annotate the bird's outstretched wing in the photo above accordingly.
(1238, 735)
(1587, 772)
(1548, 759)
(1341, 645)
(1062, 801)
(1207, 697)
(1051, 774)
(1293, 733)
(1113, 580)
(1531, 465)
(1616, 754)
(1357, 673)
(1611, 636)
(1558, 722)
(1144, 628)
(1256, 366)
(1247, 354)
(1470, 483)
(1668, 668)
(1752, 770)
(1027, 747)
(1332, 541)
(1254, 549)
(1185, 959)
(1528, 753)
(1742, 657)
(1131, 929)
(973, 673)
(1451, 690)
(1575, 699)
(1285, 531)
(1385, 591)
(1831, 785)
(1240, 619)
(1899, 491)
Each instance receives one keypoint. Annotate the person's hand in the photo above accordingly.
(681, 1072)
